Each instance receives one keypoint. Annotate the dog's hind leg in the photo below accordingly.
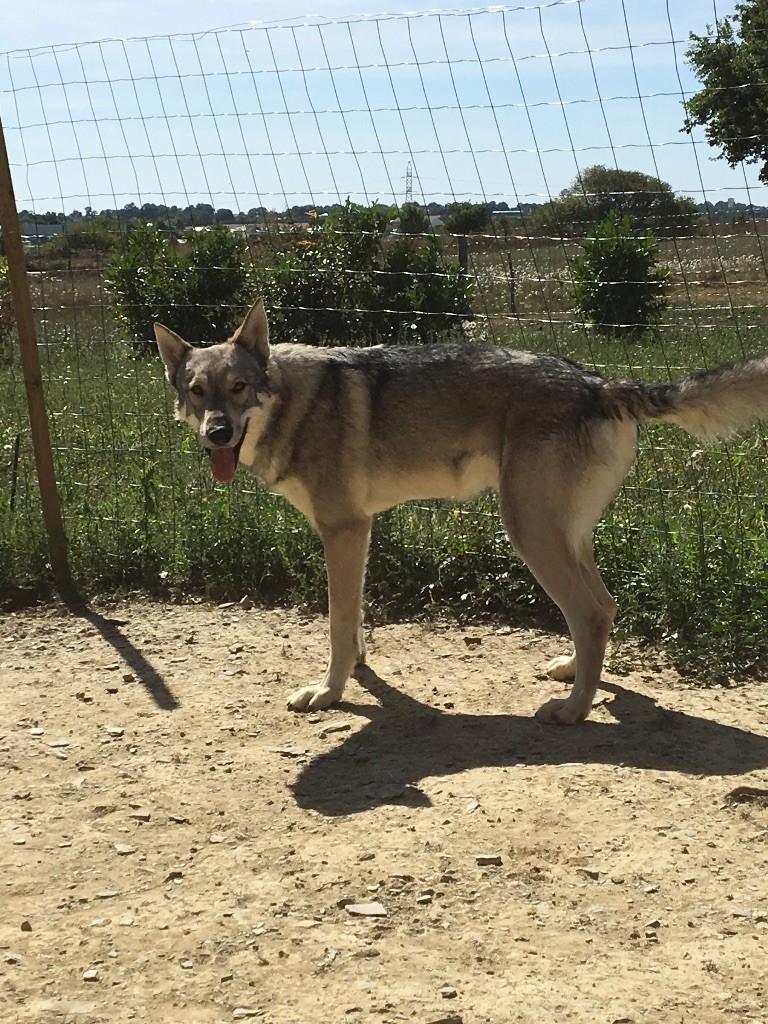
(552, 558)
(346, 552)
(551, 501)
(564, 666)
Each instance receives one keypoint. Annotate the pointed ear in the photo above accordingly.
(253, 332)
(172, 350)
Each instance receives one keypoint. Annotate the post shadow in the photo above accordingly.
(145, 672)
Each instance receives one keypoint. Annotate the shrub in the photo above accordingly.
(344, 283)
(98, 235)
(424, 294)
(467, 218)
(201, 295)
(620, 285)
(414, 219)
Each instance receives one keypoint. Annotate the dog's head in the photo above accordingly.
(221, 387)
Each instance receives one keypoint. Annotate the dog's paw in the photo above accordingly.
(562, 667)
(312, 698)
(560, 712)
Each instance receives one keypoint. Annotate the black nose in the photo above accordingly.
(219, 433)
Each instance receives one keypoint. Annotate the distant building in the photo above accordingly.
(515, 214)
(37, 234)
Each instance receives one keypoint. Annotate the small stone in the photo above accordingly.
(26, 926)
(91, 974)
(592, 873)
(488, 859)
(115, 730)
(217, 837)
(365, 909)
(289, 750)
(187, 965)
(448, 992)
(123, 849)
(243, 1012)
(330, 729)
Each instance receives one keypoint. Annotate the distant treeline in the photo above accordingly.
(204, 214)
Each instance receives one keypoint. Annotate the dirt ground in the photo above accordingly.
(176, 846)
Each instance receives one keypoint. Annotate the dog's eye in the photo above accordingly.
(238, 387)
(196, 389)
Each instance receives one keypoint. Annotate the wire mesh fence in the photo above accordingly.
(380, 178)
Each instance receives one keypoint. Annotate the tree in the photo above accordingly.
(620, 286)
(467, 218)
(731, 61)
(414, 219)
(650, 204)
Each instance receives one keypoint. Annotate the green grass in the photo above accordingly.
(683, 547)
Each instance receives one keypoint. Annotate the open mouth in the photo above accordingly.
(224, 460)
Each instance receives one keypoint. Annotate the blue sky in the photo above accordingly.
(502, 103)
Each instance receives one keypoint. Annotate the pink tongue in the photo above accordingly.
(223, 464)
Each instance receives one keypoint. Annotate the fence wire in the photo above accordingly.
(271, 129)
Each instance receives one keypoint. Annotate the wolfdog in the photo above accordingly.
(344, 433)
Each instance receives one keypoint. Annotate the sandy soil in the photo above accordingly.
(176, 846)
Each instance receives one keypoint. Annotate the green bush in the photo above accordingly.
(467, 218)
(620, 285)
(201, 294)
(99, 235)
(345, 283)
(423, 293)
(414, 220)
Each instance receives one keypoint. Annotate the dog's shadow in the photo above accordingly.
(405, 741)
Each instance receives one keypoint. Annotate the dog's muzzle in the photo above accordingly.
(224, 459)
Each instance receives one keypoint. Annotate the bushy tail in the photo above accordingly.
(710, 404)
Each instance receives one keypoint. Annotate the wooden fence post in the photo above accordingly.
(33, 379)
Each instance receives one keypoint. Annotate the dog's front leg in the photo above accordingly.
(346, 551)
